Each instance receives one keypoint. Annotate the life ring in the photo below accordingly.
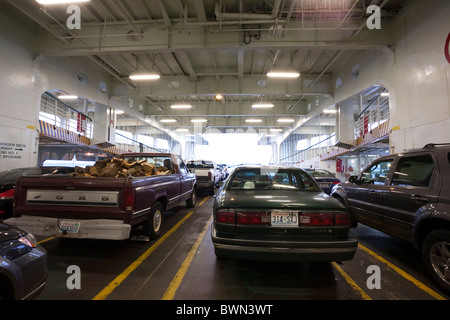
(447, 49)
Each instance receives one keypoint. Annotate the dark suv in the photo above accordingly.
(407, 196)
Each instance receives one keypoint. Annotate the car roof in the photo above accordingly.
(241, 167)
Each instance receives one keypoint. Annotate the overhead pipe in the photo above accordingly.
(247, 16)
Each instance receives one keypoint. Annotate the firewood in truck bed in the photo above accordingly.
(119, 168)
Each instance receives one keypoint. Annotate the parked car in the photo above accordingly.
(279, 213)
(208, 176)
(325, 178)
(224, 169)
(8, 180)
(407, 196)
(23, 264)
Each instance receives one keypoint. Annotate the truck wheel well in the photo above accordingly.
(429, 225)
(163, 201)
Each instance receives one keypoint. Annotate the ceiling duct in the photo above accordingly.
(248, 16)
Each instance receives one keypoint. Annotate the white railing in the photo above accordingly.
(373, 116)
(61, 115)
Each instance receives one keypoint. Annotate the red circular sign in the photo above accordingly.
(447, 49)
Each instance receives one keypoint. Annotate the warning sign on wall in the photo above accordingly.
(16, 148)
(11, 150)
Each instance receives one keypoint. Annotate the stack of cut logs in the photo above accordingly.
(119, 168)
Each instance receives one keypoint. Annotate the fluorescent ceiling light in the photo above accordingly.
(283, 74)
(253, 120)
(59, 1)
(67, 97)
(262, 105)
(182, 130)
(285, 120)
(119, 111)
(144, 76)
(181, 106)
(199, 120)
(168, 120)
(385, 94)
(276, 130)
(330, 111)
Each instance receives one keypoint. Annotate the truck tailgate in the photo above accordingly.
(67, 197)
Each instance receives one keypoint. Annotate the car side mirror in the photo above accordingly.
(353, 179)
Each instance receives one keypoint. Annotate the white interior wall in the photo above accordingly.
(19, 102)
(417, 76)
(22, 81)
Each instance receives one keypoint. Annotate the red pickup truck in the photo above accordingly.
(103, 207)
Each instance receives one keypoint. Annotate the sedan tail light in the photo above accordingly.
(316, 219)
(8, 194)
(254, 218)
(342, 219)
(324, 219)
(264, 218)
(225, 216)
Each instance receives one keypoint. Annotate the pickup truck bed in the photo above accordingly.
(101, 208)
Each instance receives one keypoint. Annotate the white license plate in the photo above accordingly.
(69, 226)
(284, 219)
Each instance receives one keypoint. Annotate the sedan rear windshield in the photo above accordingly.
(271, 179)
(200, 164)
(321, 174)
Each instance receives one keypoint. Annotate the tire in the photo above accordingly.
(154, 223)
(190, 203)
(436, 256)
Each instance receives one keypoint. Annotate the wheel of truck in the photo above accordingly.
(154, 222)
(436, 256)
(190, 203)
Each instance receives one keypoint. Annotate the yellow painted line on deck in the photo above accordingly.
(102, 295)
(173, 286)
(45, 240)
(351, 282)
(121, 277)
(404, 274)
(203, 201)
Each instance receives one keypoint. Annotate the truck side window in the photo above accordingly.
(376, 173)
(183, 168)
(414, 171)
(168, 164)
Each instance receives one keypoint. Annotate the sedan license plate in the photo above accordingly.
(69, 226)
(284, 219)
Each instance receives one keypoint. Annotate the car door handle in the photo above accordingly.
(418, 198)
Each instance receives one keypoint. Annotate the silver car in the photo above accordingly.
(23, 264)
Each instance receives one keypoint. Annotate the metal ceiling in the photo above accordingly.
(204, 47)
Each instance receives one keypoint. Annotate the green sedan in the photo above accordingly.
(278, 213)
